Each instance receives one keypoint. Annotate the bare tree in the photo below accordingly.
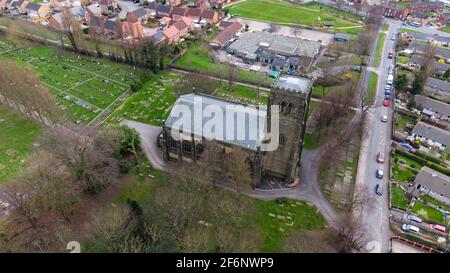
(297, 29)
(238, 168)
(72, 29)
(214, 158)
(23, 91)
(231, 76)
(350, 236)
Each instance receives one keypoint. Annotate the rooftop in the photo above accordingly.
(247, 133)
(433, 180)
(433, 105)
(433, 133)
(296, 84)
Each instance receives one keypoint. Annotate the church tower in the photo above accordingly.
(292, 95)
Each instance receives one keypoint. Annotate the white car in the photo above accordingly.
(384, 118)
(379, 174)
(410, 228)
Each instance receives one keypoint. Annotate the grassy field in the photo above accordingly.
(17, 135)
(84, 87)
(196, 58)
(285, 13)
(379, 49)
(372, 88)
(398, 197)
(402, 59)
(428, 213)
(435, 202)
(402, 171)
(445, 29)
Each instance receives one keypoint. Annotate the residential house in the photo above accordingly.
(19, 6)
(172, 35)
(209, 16)
(425, 6)
(35, 11)
(97, 23)
(178, 12)
(111, 28)
(438, 67)
(441, 53)
(395, 11)
(183, 28)
(138, 15)
(58, 4)
(437, 86)
(432, 108)
(432, 135)
(132, 30)
(419, 17)
(194, 13)
(157, 10)
(57, 21)
(429, 180)
(435, 39)
(157, 38)
(188, 21)
(5, 4)
(226, 35)
(93, 10)
(165, 22)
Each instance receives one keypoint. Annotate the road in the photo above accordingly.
(375, 218)
(423, 29)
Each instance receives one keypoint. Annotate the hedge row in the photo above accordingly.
(429, 157)
(425, 162)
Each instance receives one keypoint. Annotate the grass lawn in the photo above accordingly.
(398, 197)
(242, 94)
(17, 135)
(403, 172)
(435, 202)
(402, 59)
(310, 142)
(285, 13)
(196, 58)
(385, 27)
(372, 88)
(401, 121)
(445, 29)
(428, 213)
(319, 91)
(84, 87)
(379, 49)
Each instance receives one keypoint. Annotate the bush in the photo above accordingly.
(135, 86)
(144, 77)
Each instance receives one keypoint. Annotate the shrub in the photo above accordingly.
(135, 86)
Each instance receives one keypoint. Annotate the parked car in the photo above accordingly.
(379, 189)
(386, 102)
(384, 118)
(410, 228)
(390, 54)
(379, 174)
(438, 228)
(387, 87)
(393, 37)
(390, 79)
(387, 96)
(410, 217)
(380, 157)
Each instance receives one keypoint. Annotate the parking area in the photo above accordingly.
(324, 37)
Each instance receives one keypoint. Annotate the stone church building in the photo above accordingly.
(291, 94)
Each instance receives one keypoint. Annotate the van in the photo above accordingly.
(410, 228)
(390, 79)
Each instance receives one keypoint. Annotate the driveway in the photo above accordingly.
(149, 134)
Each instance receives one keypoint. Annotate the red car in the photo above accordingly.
(390, 55)
(386, 102)
(380, 157)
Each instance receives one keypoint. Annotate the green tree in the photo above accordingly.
(447, 74)
(401, 82)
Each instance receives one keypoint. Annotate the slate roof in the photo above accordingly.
(33, 6)
(247, 122)
(433, 105)
(431, 132)
(440, 85)
(433, 180)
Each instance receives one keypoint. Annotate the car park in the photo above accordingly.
(386, 102)
(409, 217)
(410, 228)
(380, 157)
(379, 189)
(384, 118)
(379, 174)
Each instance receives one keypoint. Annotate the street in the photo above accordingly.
(375, 217)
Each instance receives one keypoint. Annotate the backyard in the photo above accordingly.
(310, 15)
(403, 169)
(428, 213)
(17, 136)
(398, 197)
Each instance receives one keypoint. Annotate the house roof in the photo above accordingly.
(442, 67)
(33, 6)
(180, 25)
(193, 12)
(433, 105)
(17, 3)
(228, 33)
(94, 8)
(245, 122)
(429, 37)
(139, 12)
(225, 24)
(158, 36)
(431, 132)
(178, 11)
(419, 47)
(291, 83)
(433, 180)
(424, 4)
(440, 85)
(111, 24)
(419, 15)
(171, 31)
(208, 14)
(98, 21)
